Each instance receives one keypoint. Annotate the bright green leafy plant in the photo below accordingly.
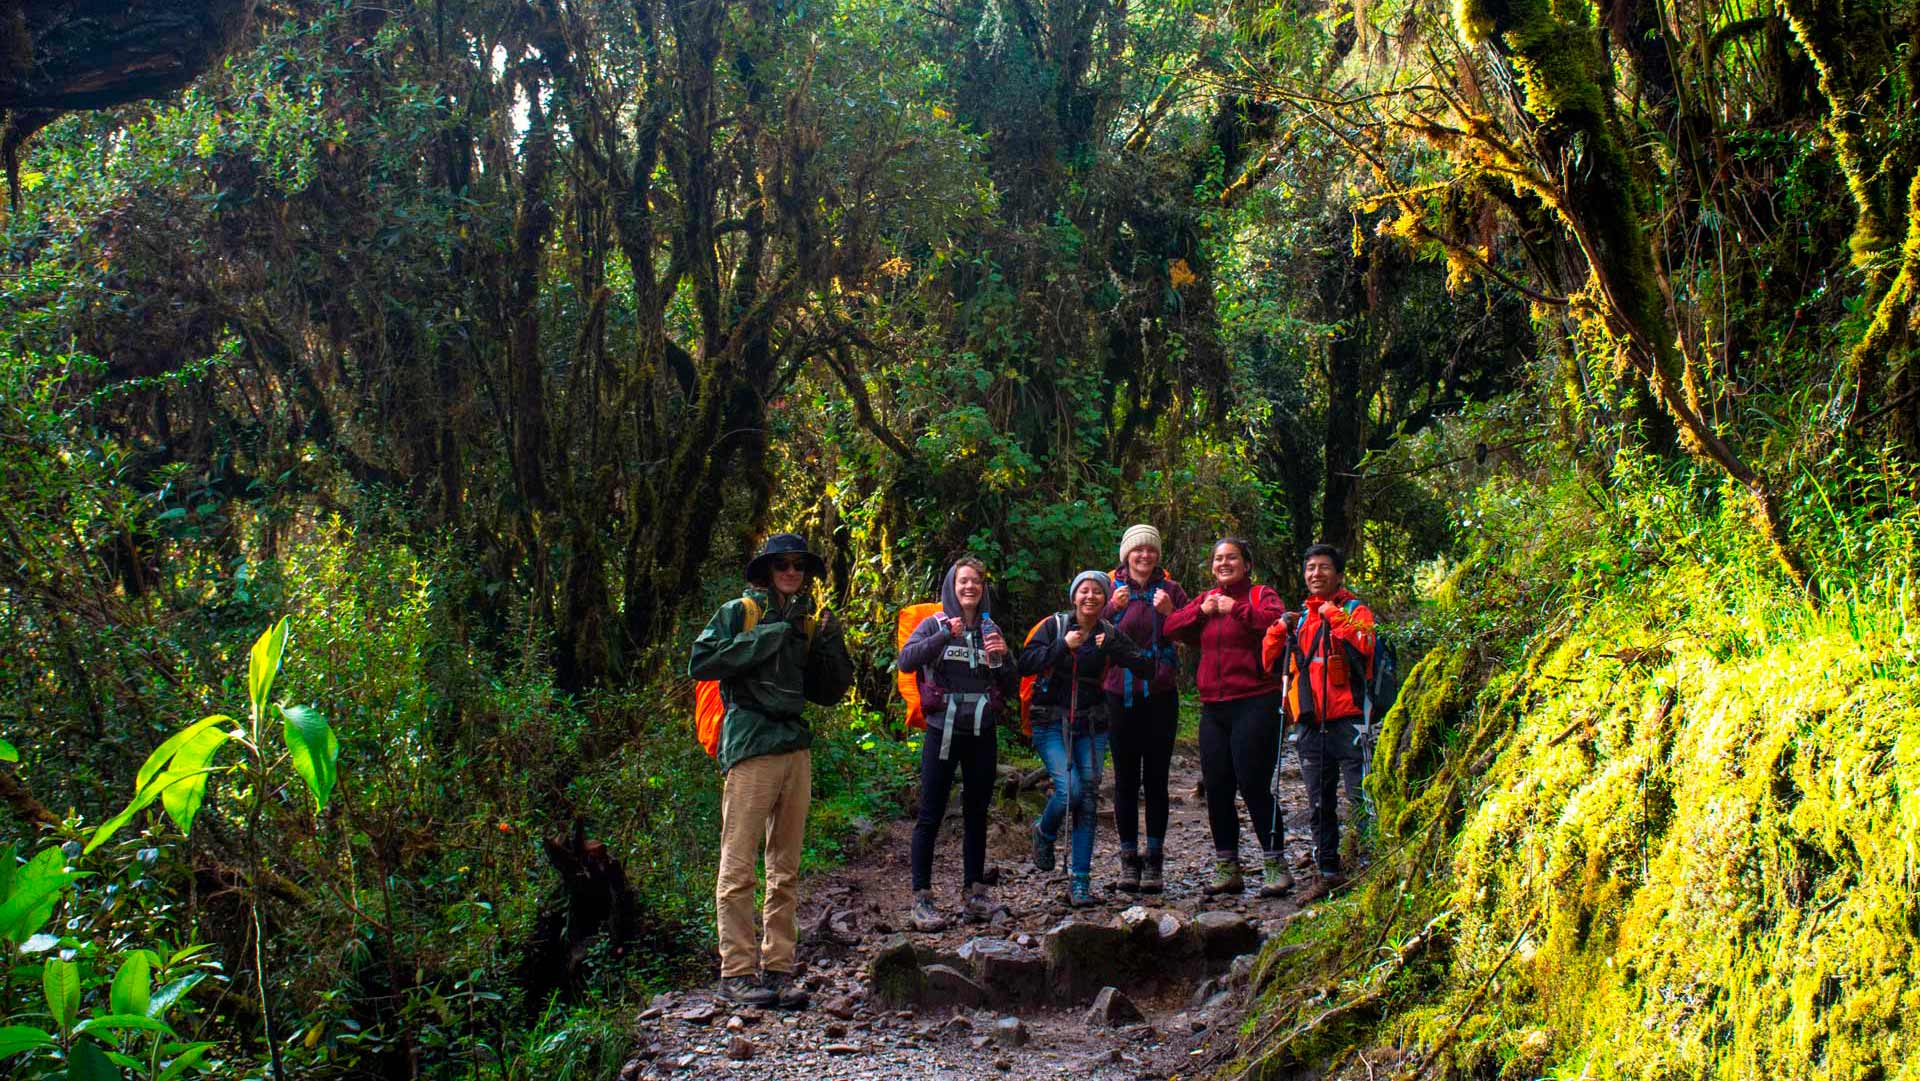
(177, 773)
(128, 1031)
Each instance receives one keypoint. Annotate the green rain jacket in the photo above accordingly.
(762, 674)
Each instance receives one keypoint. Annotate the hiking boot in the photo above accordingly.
(1080, 891)
(924, 916)
(787, 995)
(1130, 867)
(1275, 879)
(980, 905)
(1226, 878)
(1152, 880)
(1042, 852)
(746, 991)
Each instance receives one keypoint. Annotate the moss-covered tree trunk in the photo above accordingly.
(1580, 168)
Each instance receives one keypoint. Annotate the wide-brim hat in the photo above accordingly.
(783, 544)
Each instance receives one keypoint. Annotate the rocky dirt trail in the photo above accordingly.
(1140, 986)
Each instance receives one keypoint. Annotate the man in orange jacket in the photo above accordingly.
(1327, 648)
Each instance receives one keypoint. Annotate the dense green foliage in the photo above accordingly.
(479, 340)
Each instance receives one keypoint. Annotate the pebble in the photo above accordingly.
(1098, 1059)
(836, 1031)
(739, 1049)
(841, 1007)
(1010, 1032)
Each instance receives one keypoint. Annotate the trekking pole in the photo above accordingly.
(1280, 747)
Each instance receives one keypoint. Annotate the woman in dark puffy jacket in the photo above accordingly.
(1071, 653)
(1145, 712)
(1240, 722)
(967, 678)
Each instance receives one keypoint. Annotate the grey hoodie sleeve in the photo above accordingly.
(924, 644)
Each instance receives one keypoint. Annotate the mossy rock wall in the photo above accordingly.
(1432, 700)
(1710, 865)
(1664, 832)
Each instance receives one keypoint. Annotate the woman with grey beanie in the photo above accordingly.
(1071, 652)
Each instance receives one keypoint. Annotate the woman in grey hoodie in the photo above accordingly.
(967, 679)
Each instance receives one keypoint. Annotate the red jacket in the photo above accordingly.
(1320, 642)
(1229, 667)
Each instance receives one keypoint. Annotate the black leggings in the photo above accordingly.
(975, 757)
(1141, 738)
(1239, 744)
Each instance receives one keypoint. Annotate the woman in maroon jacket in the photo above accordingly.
(1240, 720)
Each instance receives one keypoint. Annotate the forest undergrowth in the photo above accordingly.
(1644, 811)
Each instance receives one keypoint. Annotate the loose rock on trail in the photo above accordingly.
(1135, 987)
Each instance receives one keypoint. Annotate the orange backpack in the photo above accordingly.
(1027, 682)
(709, 706)
(910, 617)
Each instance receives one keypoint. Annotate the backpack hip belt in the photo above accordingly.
(959, 704)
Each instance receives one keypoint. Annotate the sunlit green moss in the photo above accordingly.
(1678, 836)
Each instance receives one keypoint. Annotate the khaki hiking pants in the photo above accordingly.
(765, 800)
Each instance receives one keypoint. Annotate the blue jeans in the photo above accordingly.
(1076, 784)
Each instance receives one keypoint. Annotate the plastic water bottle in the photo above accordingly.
(988, 630)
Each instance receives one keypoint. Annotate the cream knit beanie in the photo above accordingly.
(1135, 536)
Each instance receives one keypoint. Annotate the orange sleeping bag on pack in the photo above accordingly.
(910, 617)
(1027, 682)
(709, 707)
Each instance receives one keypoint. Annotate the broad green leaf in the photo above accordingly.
(147, 794)
(263, 664)
(170, 993)
(315, 751)
(9, 859)
(186, 952)
(61, 982)
(7, 752)
(182, 797)
(119, 1022)
(132, 986)
(17, 1038)
(157, 761)
(35, 890)
(187, 1059)
(87, 1062)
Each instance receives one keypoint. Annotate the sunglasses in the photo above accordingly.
(788, 564)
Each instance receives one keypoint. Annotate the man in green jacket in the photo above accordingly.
(768, 649)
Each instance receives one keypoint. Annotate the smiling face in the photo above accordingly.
(1229, 564)
(789, 574)
(1322, 579)
(1142, 561)
(969, 587)
(1088, 599)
